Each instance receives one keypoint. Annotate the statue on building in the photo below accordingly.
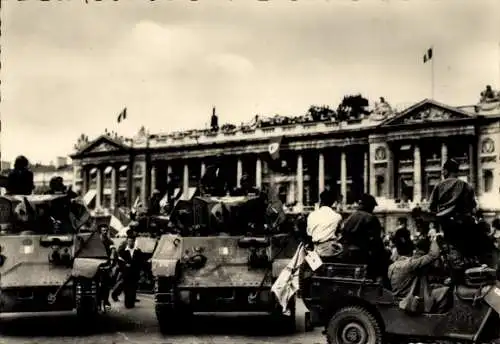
(489, 100)
(214, 121)
(82, 141)
(142, 135)
(382, 110)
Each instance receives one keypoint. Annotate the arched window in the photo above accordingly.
(488, 181)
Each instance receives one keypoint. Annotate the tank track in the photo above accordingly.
(166, 309)
(86, 298)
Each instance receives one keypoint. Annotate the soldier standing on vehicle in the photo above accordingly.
(361, 237)
(453, 201)
(322, 224)
(20, 179)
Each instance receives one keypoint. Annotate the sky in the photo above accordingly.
(70, 67)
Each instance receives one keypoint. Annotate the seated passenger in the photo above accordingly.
(401, 235)
(362, 239)
(411, 265)
(322, 224)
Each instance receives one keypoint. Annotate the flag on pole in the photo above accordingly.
(274, 147)
(428, 55)
(122, 116)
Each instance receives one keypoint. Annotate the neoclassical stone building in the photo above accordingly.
(397, 157)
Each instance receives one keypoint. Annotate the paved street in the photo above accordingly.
(139, 326)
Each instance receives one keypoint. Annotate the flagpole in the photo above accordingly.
(432, 72)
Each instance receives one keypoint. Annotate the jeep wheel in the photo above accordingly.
(285, 323)
(353, 325)
(171, 321)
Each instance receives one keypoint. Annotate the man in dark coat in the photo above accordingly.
(133, 261)
(361, 237)
(453, 201)
(20, 179)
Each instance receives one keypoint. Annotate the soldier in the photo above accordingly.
(454, 203)
(106, 278)
(362, 239)
(20, 179)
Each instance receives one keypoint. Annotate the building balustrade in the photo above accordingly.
(405, 164)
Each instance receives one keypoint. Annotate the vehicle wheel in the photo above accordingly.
(305, 275)
(284, 322)
(308, 325)
(86, 299)
(353, 325)
(171, 321)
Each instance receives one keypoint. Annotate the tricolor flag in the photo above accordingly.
(274, 147)
(122, 116)
(428, 55)
(274, 161)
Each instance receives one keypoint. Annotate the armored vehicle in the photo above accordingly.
(355, 309)
(223, 256)
(49, 256)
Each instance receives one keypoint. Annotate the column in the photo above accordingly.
(185, 181)
(258, 173)
(85, 181)
(473, 170)
(417, 175)
(300, 182)
(366, 174)
(130, 184)
(343, 176)
(114, 187)
(444, 153)
(239, 172)
(144, 183)
(321, 173)
(390, 173)
(98, 197)
(75, 175)
(169, 171)
(153, 178)
(203, 169)
(372, 176)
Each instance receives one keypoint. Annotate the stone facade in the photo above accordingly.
(397, 158)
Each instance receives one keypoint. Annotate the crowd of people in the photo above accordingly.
(432, 259)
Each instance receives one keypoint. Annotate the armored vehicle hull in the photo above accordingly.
(43, 269)
(219, 274)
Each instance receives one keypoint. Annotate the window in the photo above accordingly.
(406, 188)
(379, 185)
(488, 181)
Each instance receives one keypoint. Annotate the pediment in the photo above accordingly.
(427, 111)
(101, 145)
